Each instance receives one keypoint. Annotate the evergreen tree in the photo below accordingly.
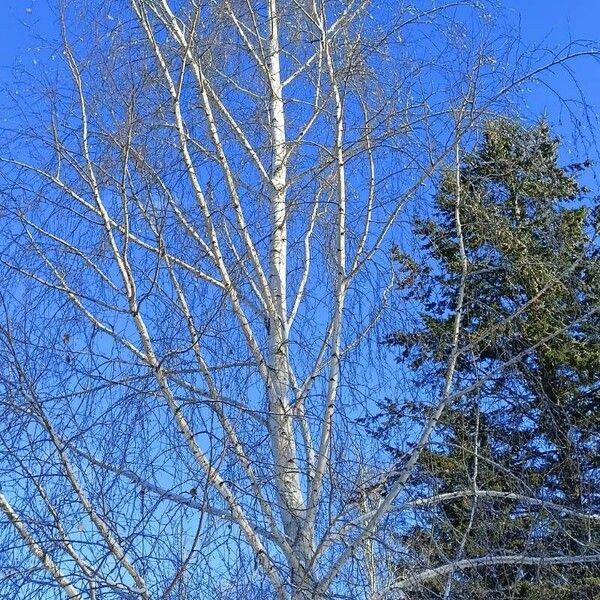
(530, 356)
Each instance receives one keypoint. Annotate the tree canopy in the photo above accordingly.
(197, 203)
(526, 427)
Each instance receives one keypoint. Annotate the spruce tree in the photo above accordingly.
(530, 357)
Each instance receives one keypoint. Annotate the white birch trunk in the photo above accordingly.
(292, 504)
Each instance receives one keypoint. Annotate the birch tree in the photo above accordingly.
(197, 207)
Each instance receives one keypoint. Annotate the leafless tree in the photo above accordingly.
(196, 208)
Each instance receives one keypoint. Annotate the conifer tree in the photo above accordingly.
(522, 442)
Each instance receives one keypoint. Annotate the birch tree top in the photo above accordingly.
(197, 205)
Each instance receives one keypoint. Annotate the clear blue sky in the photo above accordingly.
(555, 22)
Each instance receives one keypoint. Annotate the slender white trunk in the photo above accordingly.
(281, 430)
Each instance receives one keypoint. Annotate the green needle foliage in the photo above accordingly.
(529, 356)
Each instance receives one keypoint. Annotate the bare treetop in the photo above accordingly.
(197, 211)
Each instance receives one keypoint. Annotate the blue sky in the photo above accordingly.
(549, 23)
(554, 23)
(555, 20)
(23, 22)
